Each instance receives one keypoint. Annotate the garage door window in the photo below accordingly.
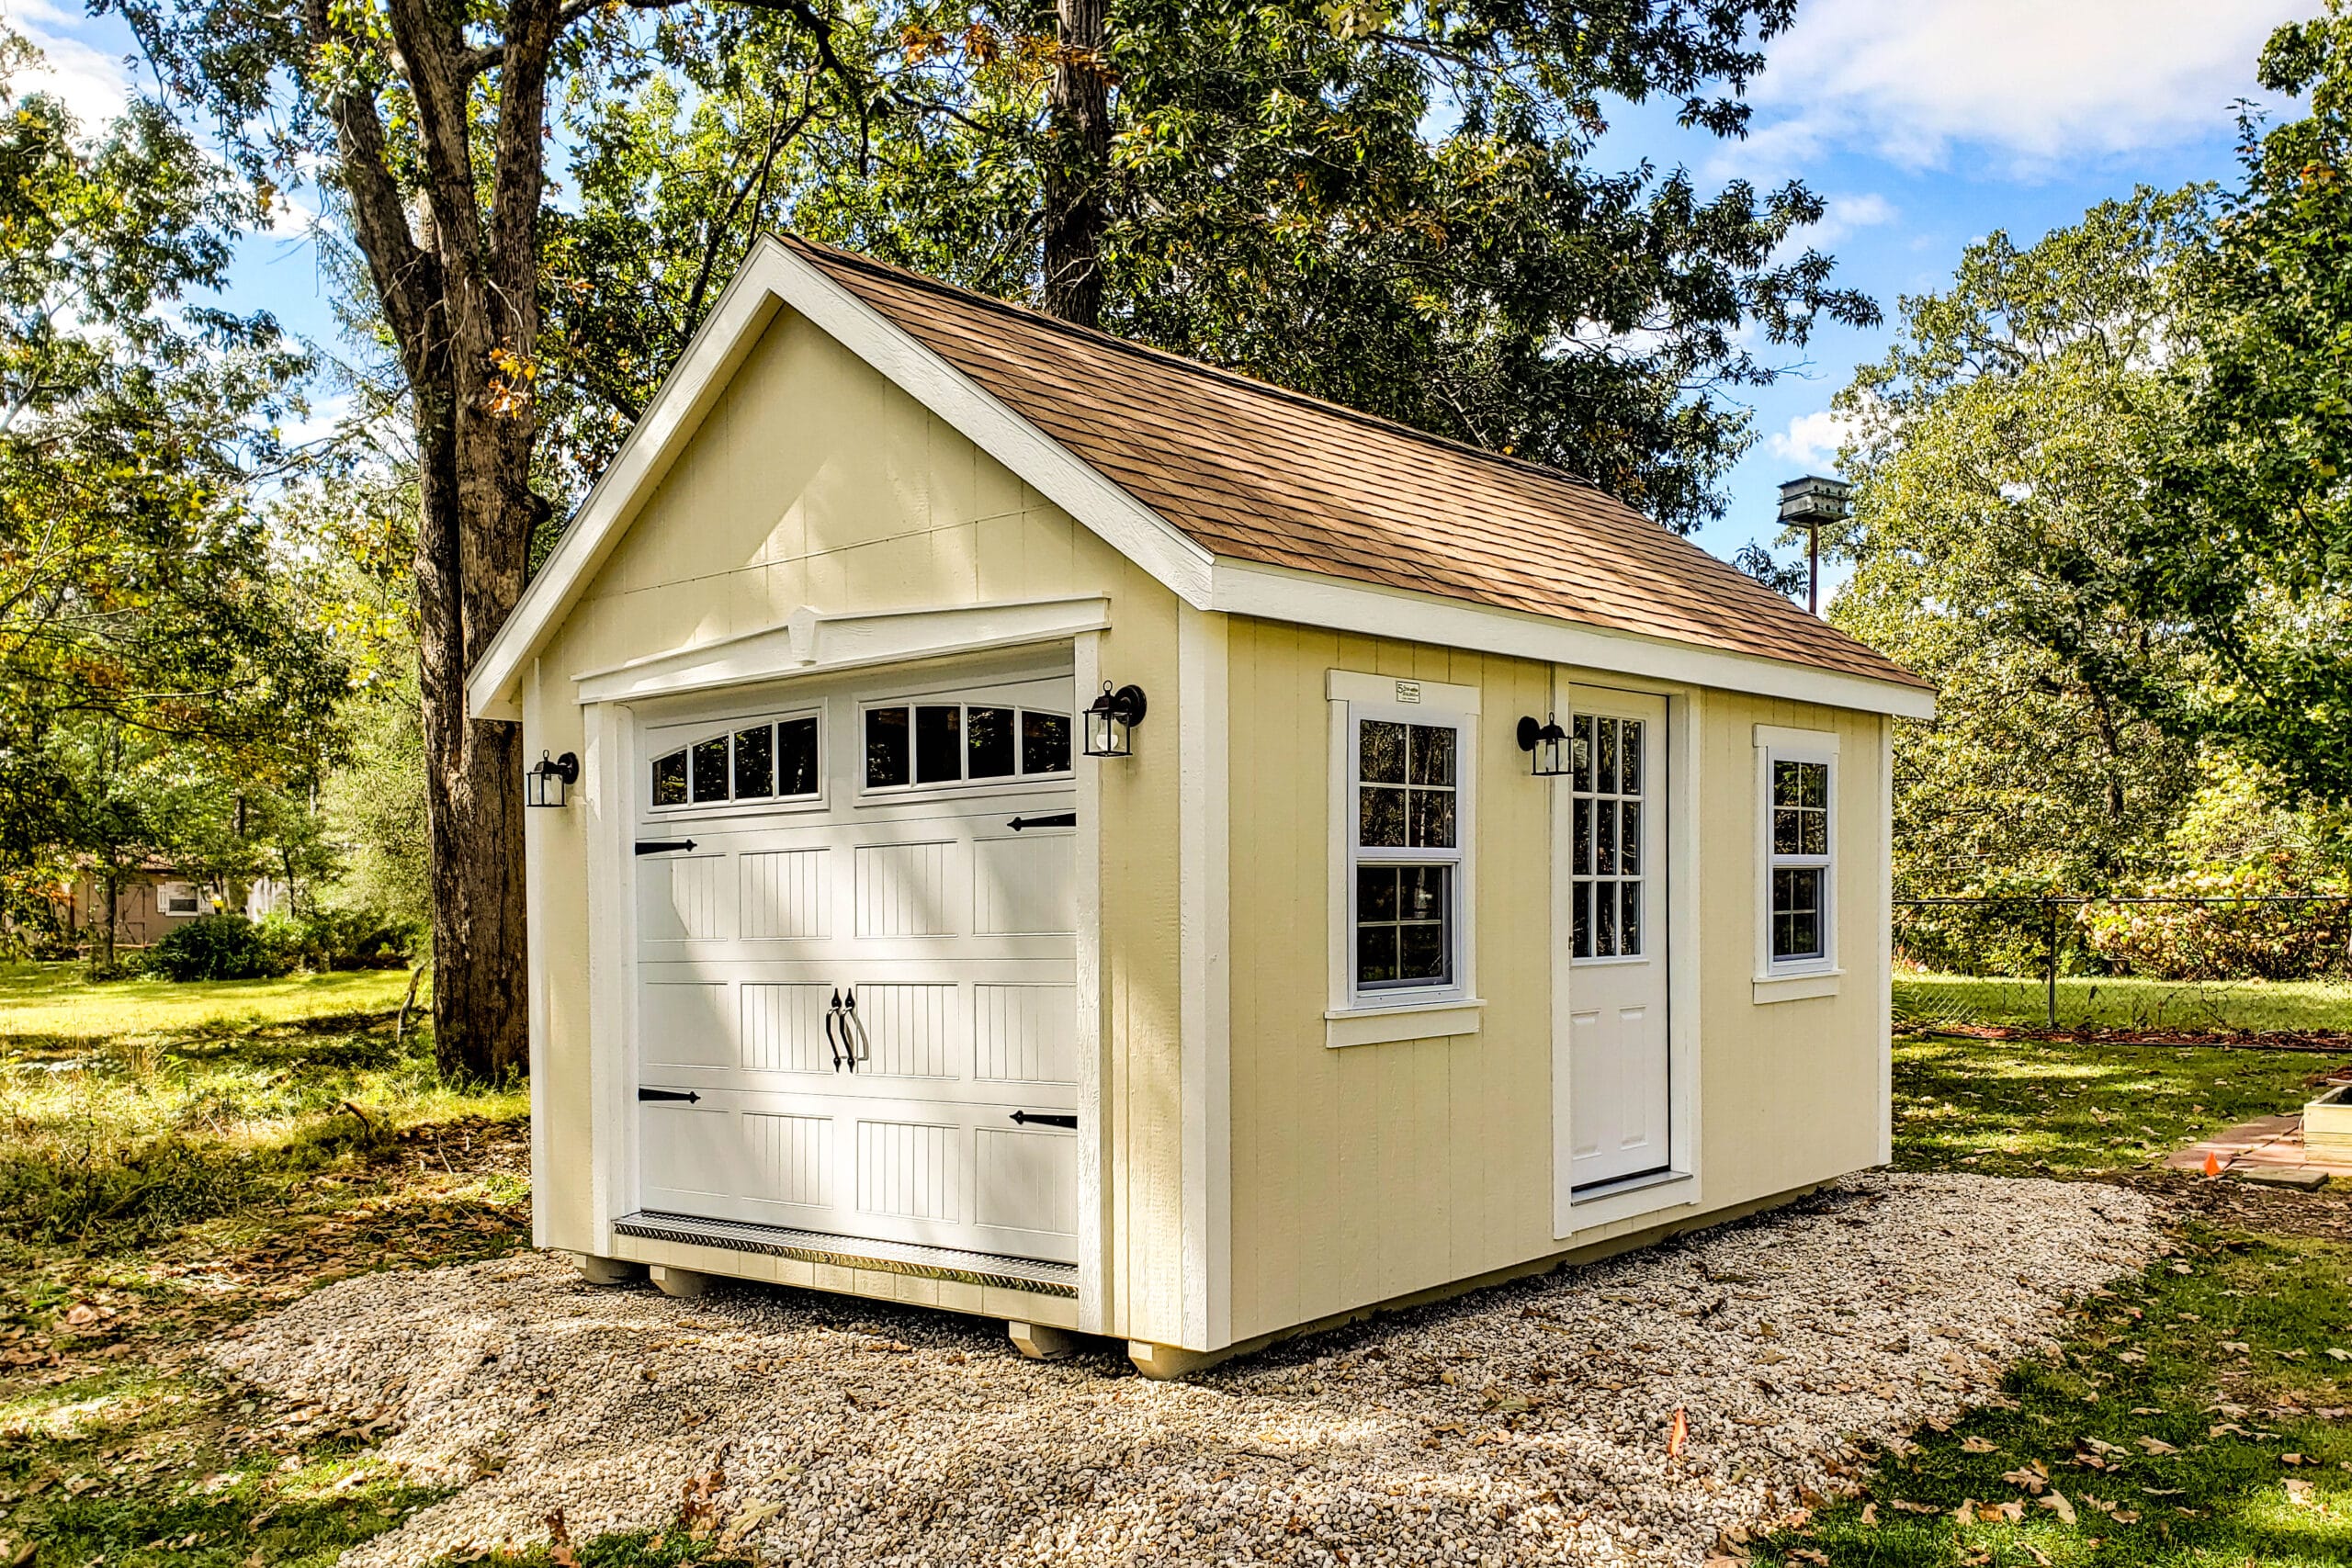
(771, 761)
(915, 745)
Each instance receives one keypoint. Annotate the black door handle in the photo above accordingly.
(687, 1095)
(1058, 819)
(833, 1036)
(662, 846)
(1047, 1118)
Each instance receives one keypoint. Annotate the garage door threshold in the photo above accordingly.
(857, 1252)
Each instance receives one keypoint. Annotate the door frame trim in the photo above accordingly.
(1681, 1183)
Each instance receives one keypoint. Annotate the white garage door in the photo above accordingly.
(855, 989)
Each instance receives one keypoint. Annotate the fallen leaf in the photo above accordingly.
(2157, 1446)
(2237, 1347)
(2335, 1355)
(1805, 1554)
(1870, 1514)
(2299, 1492)
(1975, 1445)
(2056, 1502)
(2032, 1480)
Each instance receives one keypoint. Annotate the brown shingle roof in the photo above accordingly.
(1252, 472)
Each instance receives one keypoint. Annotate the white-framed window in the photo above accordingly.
(1403, 809)
(919, 744)
(760, 761)
(178, 898)
(1798, 786)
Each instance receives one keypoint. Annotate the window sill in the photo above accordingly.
(1419, 1020)
(1797, 988)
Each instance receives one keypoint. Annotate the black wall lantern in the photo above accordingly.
(548, 782)
(1547, 745)
(1110, 718)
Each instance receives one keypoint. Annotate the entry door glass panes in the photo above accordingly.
(1608, 835)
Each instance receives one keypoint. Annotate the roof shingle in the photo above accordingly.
(1253, 472)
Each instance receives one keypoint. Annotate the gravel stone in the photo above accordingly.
(1529, 1423)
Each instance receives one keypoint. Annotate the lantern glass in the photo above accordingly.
(1547, 745)
(548, 782)
(1110, 718)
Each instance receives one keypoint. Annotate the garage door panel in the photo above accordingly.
(1024, 1033)
(793, 1156)
(786, 894)
(906, 1030)
(685, 898)
(906, 889)
(911, 1170)
(784, 1027)
(1025, 1181)
(691, 1150)
(684, 1023)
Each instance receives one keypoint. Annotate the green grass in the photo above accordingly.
(56, 1002)
(2112, 1003)
(2036, 1108)
(175, 1160)
(2196, 1432)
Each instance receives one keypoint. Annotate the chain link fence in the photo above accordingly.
(2146, 966)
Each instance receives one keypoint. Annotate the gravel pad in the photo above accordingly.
(1530, 1423)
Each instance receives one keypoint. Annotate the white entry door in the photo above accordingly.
(1615, 916)
(855, 950)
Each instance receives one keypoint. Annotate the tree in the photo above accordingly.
(2250, 543)
(2001, 454)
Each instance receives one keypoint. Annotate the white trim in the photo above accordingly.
(1884, 915)
(1344, 1027)
(809, 642)
(608, 821)
(1204, 1004)
(773, 275)
(1427, 702)
(1769, 988)
(1094, 1227)
(1774, 743)
(1244, 588)
(538, 903)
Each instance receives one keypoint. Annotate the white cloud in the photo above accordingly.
(91, 82)
(1811, 441)
(2033, 80)
(1848, 213)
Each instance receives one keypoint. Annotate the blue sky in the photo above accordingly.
(1925, 123)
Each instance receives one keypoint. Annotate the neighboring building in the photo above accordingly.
(150, 901)
(849, 970)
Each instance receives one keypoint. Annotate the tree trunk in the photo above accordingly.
(1079, 160)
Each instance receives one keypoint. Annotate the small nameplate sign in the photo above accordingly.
(1408, 691)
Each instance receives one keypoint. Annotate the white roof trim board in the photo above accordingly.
(772, 277)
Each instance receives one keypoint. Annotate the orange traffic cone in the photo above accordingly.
(2212, 1163)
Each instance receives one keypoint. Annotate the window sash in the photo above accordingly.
(1780, 919)
(727, 766)
(1022, 743)
(1451, 861)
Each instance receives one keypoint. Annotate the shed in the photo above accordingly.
(853, 970)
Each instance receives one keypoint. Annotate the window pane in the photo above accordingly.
(1420, 952)
(1583, 837)
(886, 747)
(755, 763)
(1381, 752)
(1045, 743)
(1605, 839)
(1580, 900)
(1432, 754)
(1812, 784)
(1604, 909)
(1380, 819)
(1816, 833)
(670, 780)
(1629, 758)
(710, 769)
(1376, 954)
(1629, 838)
(1421, 893)
(987, 737)
(1804, 934)
(1376, 893)
(796, 757)
(1629, 918)
(1432, 827)
(939, 743)
(1606, 783)
(1785, 784)
(1580, 752)
(1796, 912)
(1786, 836)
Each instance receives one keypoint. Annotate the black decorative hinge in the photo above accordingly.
(687, 1095)
(1047, 1118)
(662, 846)
(1058, 819)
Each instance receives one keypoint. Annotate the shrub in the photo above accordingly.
(335, 938)
(218, 947)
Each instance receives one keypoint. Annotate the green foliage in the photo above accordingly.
(2000, 451)
(2250, 542)
(217, 947)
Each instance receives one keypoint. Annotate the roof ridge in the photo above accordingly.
(1219, 372)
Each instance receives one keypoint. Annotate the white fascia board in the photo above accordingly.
(772, 276)
(1243, 588)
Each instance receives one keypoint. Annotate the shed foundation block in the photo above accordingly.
(1162, 1362)
(1039, 1342)
(686, 1284)
(607, 1271)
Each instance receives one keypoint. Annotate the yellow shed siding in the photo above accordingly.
(1368, 1172)
(812, 480)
